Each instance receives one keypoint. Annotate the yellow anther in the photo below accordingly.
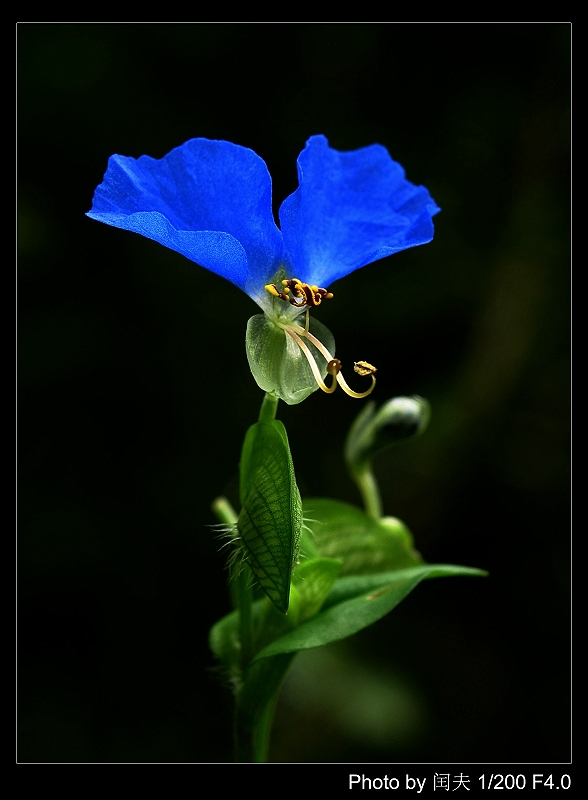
(273, 290)
(364, 368)
(306, 294)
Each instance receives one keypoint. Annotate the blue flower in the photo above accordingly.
(211, 202)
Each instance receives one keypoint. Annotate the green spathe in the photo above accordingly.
(270, 521)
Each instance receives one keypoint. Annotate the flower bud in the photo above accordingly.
(373, 431)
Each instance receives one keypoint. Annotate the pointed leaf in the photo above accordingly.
(357, 602)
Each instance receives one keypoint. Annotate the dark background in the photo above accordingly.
(134, 391)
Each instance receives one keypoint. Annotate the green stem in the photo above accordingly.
(262, 733)
(253, 746)
(370, 491)
(245, 601)
(268, 408)
(241, 592)
(226, 514)
(251, 738)
(224, 511)
(255, 707)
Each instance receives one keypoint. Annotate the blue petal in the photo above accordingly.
(350, 209)
(208, 200)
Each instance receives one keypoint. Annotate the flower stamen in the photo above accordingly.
(301, 294)
(295, 290)
(333, 364)
(313, 365)
(343, 383)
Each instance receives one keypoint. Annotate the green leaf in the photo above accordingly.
(363, 544)
(278, 364)
(270, 521)
(268, 624)
(224, 642)
(312, 583)
(355, 603)
(307, 547)
(314, 580)
(261, 682)
(257, 686)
